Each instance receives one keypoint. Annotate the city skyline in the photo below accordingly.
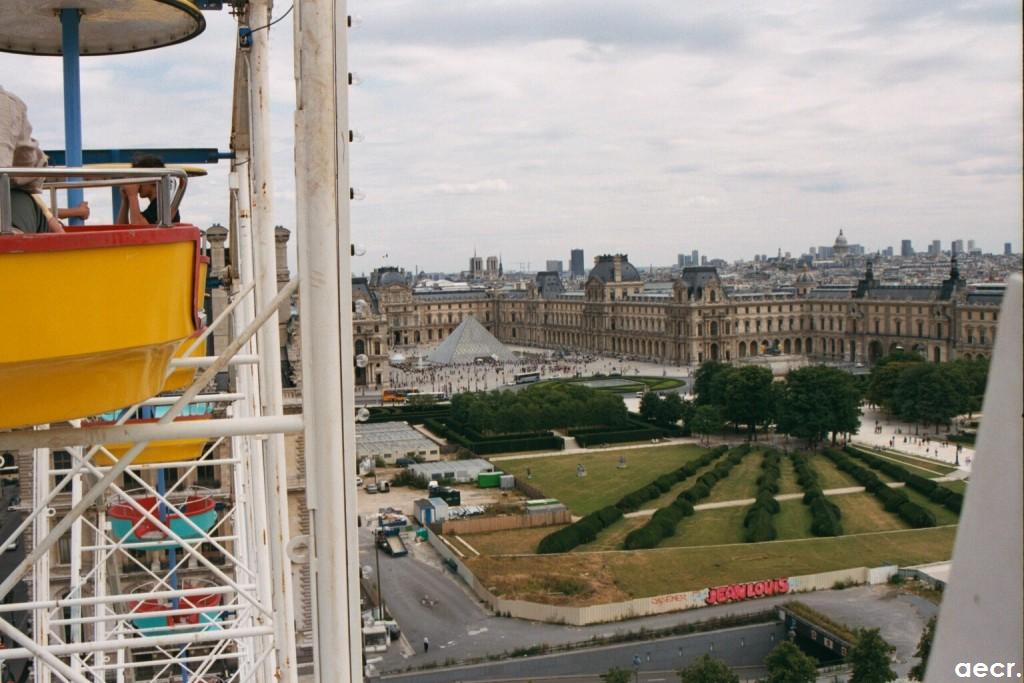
(750, 128)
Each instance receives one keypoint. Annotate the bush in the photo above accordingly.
(622, 436)
(916, 516)
(759, 526)
(954, 501)
(825, 518)
(696, 492)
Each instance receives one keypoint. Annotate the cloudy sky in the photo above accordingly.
(529, 127)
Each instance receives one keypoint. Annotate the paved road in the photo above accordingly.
(459, 627)
(745, 646)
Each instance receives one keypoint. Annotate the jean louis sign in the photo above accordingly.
(747, 591)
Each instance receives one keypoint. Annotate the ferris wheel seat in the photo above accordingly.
(96, 315)
(180, 378)
(139, 533)
(182, 623)
(156, 452)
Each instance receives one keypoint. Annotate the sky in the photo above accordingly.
(527, 128)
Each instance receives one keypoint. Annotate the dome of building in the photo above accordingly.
(390, 276)
(805, 277)
(840, 241)
(605, 269)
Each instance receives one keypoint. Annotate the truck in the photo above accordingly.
(389, 540)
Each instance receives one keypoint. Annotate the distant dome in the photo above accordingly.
(805, 277)
(604, 269)
(840, 240)
(391, 276)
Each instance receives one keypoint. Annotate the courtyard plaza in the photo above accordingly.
(878, 430)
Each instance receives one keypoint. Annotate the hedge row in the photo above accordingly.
(758, 524)
(410, 414)
(504, 443)
(948, 498)
(578, 533)
(664, 521)
(586, 529)
(894, 500)
(826, 519)
(586, 440)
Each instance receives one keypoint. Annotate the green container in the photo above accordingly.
(421, 534)
(489, 480)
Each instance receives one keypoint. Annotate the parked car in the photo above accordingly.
(359, 482)
(405, 462)
(371, 488)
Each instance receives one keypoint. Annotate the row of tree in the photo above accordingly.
(913, 390)
(549, 405)
(810, 404)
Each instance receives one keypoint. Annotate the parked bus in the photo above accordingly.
(527, 377)
(425, 397)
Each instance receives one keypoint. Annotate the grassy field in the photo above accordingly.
(960, 486)
(604, 483)
(594, 578)
(793, 520)
(613, 537)
(922, 466)
(863, 513)
(511, 542)
(709, 527)
(741, 482)
(787, 482)
(619, 384)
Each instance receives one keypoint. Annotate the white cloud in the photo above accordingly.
(603, 124)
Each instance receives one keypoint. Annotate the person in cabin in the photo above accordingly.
(130, 197)
(29, 214)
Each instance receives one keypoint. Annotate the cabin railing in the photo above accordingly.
(64, 178)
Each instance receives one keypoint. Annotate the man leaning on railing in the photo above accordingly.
(29, 213)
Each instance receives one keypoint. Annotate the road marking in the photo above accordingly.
(477, 631)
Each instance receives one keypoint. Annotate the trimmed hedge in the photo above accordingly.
(664, 521)
(586, 529)
(410, 414)
(894, 500)
(758, 523)
(587, 440)
(826, 518)
(948, 498)
(504, 443)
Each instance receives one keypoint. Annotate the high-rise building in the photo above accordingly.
(956, 247)
(887, 252)
(906, 249)
(703, 259)
(476, 266)
(694, 257)
(935, 248)
(1007, 249)
(971, 247)
(554, 266)
(682, 260)
(576, 263)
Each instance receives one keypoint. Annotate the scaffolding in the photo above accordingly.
(177, 577)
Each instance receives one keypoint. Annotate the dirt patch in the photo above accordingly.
(558, 580)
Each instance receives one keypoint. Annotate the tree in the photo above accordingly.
(617, 675)
(707, 420)
(925, 393)
(649, 406)
(817, 400)
(883, 381)
(749, 397)
(708, 670)
(870, 658)
(705, 387)
(673, 409)
(788, 664)
(924, 650)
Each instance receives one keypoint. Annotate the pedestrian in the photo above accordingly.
(426, 644)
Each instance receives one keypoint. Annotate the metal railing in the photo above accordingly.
(64, 178)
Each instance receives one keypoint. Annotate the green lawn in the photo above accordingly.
(960, 485)
(709, 527)
(741, 482)
(922, 466)
(613, 537)
(793, 520)
(787, 482)
(863, 513)
(625, 575)
(604, 483)
(831, 477)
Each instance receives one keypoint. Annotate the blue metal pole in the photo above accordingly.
(69, 21)
(172, 555)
